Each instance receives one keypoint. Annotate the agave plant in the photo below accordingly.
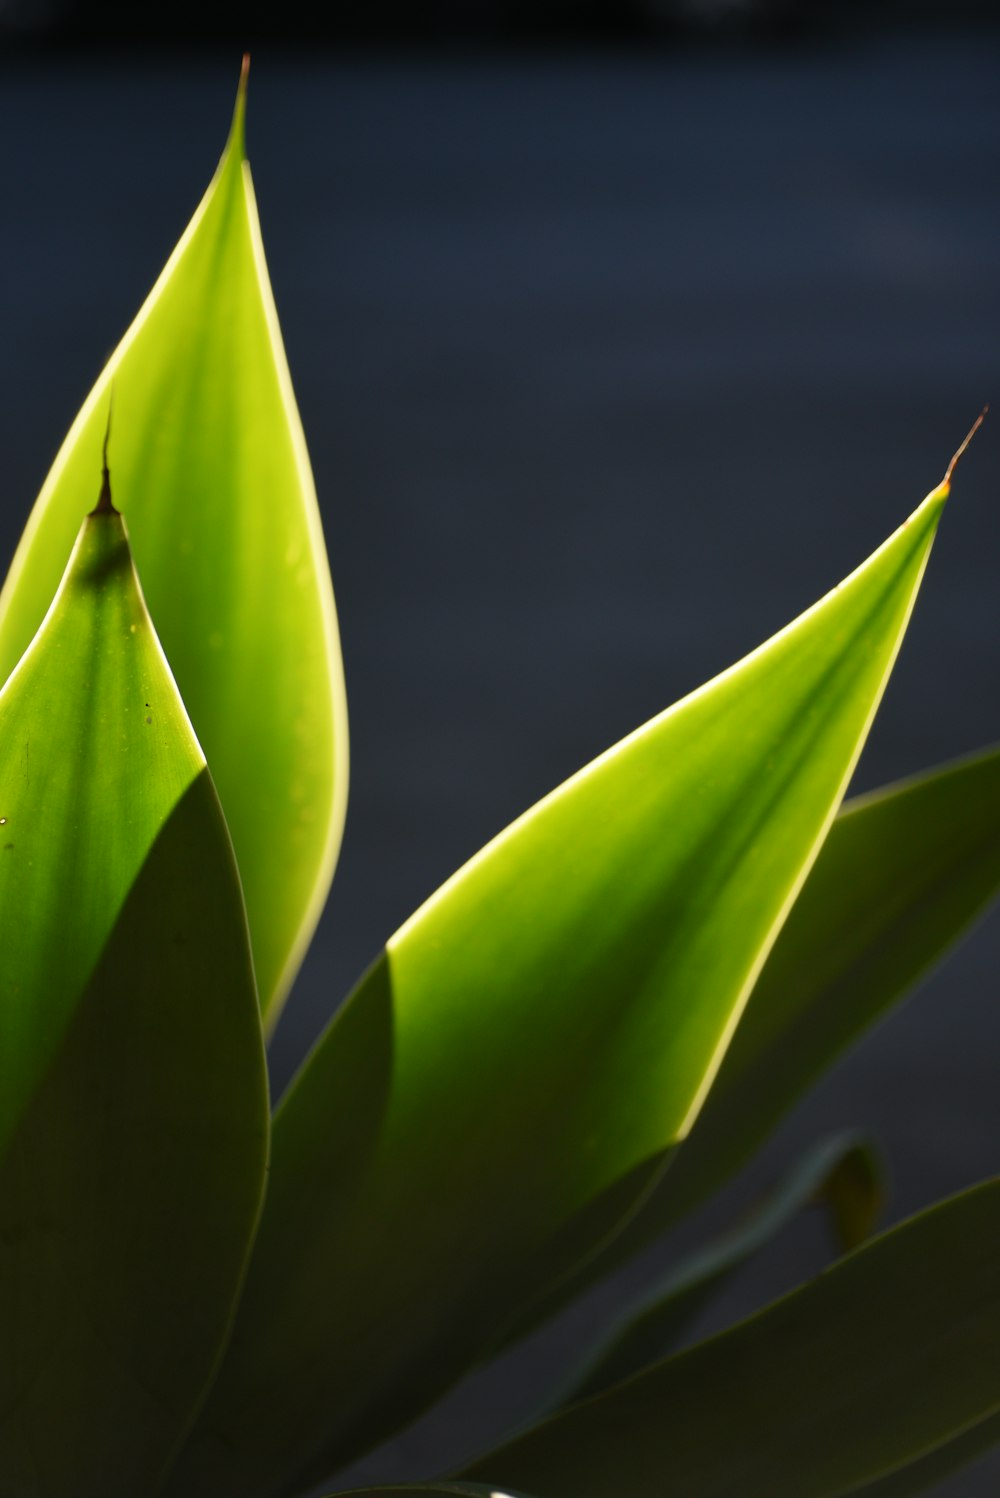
(587, 1031)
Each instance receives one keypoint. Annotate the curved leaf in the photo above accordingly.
(511, 1074)
(923, 1475)
(884, 1356)
(212, 471)
(437, 1490)
(902, 875)
(133, 1104)
(842, 1174)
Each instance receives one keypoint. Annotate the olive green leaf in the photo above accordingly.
(843, 1174)
(514, 1070)
(923, 1475)
(212, 474)
(886, 1355)
(133, 1094)
(436, 1490)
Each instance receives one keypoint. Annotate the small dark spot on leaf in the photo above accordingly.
(149, 720)
(7, 845)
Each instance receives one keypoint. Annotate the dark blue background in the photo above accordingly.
(609, 365)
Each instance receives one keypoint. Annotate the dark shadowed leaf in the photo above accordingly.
(436, 1490)
(842, 1174)
(883, 1357)
(133, 1106)
(923, 1476)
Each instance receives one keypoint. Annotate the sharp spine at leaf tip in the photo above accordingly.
(105, 504)
(946, 481)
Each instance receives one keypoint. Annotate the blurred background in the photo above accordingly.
(620, 332)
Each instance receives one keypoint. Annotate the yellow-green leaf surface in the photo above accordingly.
(515, 1068)
(903, 873)
(842, 1174)
(886, 1355)
(212, 473)
(133, 1095)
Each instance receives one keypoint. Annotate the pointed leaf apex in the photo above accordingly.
(946, 481)
(236, 145)
(105, 504)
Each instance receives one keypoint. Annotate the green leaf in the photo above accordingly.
(438, 1490)
(512, 1073)
(923, 1475)
(887, 1354)
(212, 473)
(133, 1094)
(843, 1174)
(902, 875)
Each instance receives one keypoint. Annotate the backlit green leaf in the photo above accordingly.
(514, 1070)
(211, 470)
(903, 873)
(133, 1096)
(890, 1352)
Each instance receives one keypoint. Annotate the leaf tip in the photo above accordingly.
(946, 481)
(105, 505)
(237, 133)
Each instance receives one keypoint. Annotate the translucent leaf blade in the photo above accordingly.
(211, 469)
(903, 873)
(134, 1123)
(512, 1073)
